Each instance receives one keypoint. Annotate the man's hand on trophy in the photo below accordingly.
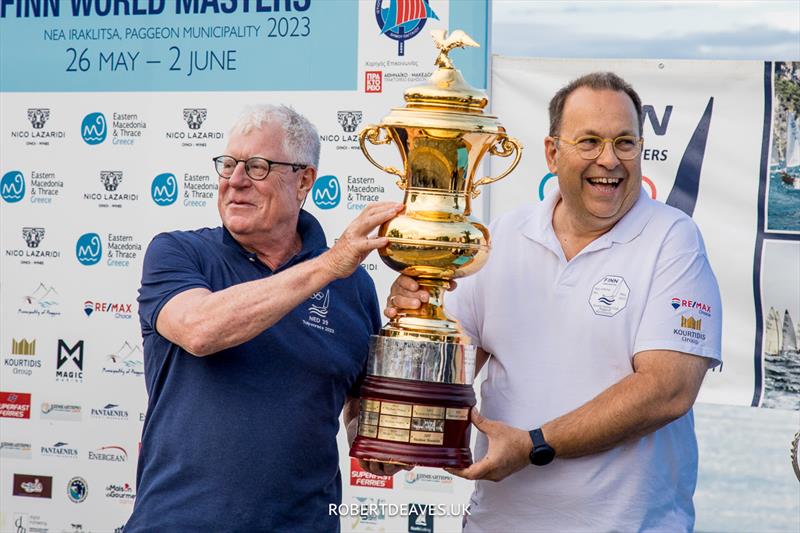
(509, 451)
(406, 293)
(357, 242)
(382, 469)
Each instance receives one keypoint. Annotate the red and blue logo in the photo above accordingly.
(402, 19)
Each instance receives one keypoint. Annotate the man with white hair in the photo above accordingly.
(255, 337)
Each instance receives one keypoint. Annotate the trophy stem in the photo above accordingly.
(430, 319)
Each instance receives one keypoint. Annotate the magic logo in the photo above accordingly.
(401, 20)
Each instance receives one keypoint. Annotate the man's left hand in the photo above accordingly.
(509, 451)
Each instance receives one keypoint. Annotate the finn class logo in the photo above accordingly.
(320, 308)
(89, 249)
(12, 186)
(38, 116)
(194, 117)
(93, 128)
(326, 192)
(164, 189)
(402, 19)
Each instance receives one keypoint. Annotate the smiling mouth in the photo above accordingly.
(605, 182)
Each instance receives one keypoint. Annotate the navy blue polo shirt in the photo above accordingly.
(245, 439)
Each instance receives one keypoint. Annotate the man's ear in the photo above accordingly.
(305, 182)
(551, 154)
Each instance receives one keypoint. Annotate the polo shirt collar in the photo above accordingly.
(538, 226)
(308, 227)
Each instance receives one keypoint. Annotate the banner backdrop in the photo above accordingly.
(721, 144)
(111, 113)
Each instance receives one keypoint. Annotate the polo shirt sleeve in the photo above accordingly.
(683, 312)
(461, 304)
(169, 268)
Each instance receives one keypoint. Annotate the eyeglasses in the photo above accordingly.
(626, 147)
(257, 168)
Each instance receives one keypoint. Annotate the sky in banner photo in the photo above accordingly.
(746, 482)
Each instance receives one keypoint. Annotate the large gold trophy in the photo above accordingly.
(416, 398)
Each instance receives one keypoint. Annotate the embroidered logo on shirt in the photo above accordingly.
(690, 330)
(704, 309)
(318, 311)
(609, 296)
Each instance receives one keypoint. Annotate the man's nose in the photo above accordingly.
(608, 157)
(239, 178)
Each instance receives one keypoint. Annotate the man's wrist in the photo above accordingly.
(541, 453)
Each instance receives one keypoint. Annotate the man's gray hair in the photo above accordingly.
(300, 136)
(598, 81)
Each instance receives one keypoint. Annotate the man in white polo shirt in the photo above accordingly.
(599, 315)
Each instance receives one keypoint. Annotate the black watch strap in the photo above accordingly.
(542, 453)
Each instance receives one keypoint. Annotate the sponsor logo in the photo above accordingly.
(433, 482)
(64, 370)
(127, 361)
(199, 189)
(42, 301)
(23, 365)
(371, 512)
(113, 454)
(59, 449)
(115, 309)
(127, 128)
(110, 412)
(23, 347)
(33, 236)
(30, 523)
(12, 186)
(194, 117)
(349, 120)
(402, 19)
(362, 189)
(420, 518)
(361, 478)
(89, 249)
(122, 493)
(15, 450)
(111, 179)
(609, 296)
(94, 128)
(76, 528)
(326, 192)
(373, 81)
(691, 322)
(77, 489)
(15, 405)
(164, 189)
(703, 309)
(60, 411)
(33, 486)
(38, 116)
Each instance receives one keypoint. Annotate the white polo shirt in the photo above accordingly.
(561, 333)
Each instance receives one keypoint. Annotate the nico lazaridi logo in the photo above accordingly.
(12, 186)
(94, 128)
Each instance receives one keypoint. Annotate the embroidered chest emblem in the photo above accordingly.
(609, 296)
(318, 311)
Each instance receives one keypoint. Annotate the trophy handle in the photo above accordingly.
(373, 135)
(507, 146)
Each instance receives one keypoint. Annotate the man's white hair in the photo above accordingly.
(300, 137)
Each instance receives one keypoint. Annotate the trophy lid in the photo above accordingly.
(446, 101)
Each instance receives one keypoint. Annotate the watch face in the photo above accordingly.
(542, 455)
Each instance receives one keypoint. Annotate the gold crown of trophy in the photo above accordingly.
(416, 398)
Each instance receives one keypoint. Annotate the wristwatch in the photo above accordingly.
(542, 453)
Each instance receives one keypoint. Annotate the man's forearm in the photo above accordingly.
(231, 316)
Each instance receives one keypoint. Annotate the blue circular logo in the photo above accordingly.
(12, 186)
(326, 192)
(89, 249)
(403, 19)
(77, 489)
(547, 177)
(164, 189)
(94, 128)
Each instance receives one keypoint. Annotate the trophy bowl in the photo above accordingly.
(417, 395)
